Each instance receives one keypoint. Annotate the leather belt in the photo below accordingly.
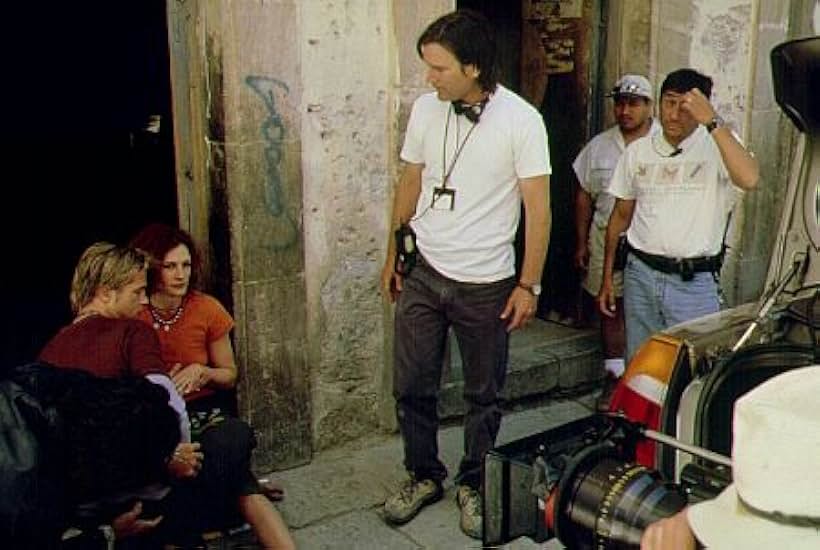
(686, 267)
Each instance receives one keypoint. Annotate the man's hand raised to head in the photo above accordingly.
(698, 105)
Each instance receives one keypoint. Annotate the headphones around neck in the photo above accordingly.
(471, 111)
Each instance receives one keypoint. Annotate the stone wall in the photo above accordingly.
(361, 73)
(348, 58)
(770, 136)
(628, 48)
(237, 93)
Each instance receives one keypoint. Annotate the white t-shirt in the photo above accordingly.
(682, 202)
(473, 241)
(594, 166)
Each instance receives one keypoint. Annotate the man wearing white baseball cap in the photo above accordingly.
(774, 500)
(593, 167)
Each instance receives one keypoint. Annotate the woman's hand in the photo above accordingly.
(190, 378)
(129, 524)
(186, 461)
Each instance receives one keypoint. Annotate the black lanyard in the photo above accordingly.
(445, 176)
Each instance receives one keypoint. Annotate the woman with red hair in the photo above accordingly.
(194, 334)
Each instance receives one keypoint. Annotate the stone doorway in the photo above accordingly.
(549, 53)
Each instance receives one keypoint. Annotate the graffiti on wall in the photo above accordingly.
(273, 133)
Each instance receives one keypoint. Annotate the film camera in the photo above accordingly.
(580, 483)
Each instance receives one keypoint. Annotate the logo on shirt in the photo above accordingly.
(668, 174)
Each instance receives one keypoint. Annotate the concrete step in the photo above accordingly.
(545, 358)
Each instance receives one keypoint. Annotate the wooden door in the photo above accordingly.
(559, 66)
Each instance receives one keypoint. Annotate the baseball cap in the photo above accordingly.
(631, 84)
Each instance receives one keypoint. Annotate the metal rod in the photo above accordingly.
(691, 449)
(800, 263)
(746, 335)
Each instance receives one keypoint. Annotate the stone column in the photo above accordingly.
(361, 74)
(348, 60)
(237, 95)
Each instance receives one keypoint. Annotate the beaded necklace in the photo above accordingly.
(166, 324)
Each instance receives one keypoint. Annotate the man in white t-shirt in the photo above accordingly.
(674, 191)
(632, 107)
(473, 151)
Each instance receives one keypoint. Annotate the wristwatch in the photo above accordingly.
(535, 289)
(716, 122)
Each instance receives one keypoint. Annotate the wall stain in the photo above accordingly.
(284, 233)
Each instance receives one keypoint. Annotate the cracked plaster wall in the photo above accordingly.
(353, 56)
(347, 58)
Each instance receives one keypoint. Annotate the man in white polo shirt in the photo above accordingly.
(674, 191)
(474, 151)
(632, 107)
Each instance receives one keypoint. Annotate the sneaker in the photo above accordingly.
(603, 401)
(469, 501)
(410, 499)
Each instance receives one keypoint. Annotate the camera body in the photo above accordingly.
(598, 481)
(579, 482)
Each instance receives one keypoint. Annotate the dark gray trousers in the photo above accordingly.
(427, 307)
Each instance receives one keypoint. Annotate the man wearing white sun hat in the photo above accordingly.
(774, 500)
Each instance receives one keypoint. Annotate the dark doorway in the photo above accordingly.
(88, 149)
(549, 55)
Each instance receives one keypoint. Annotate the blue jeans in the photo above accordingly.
(654, 300)
(427, 307)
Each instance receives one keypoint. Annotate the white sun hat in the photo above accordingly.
(774, 500)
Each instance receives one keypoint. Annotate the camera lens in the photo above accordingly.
(604, 502)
